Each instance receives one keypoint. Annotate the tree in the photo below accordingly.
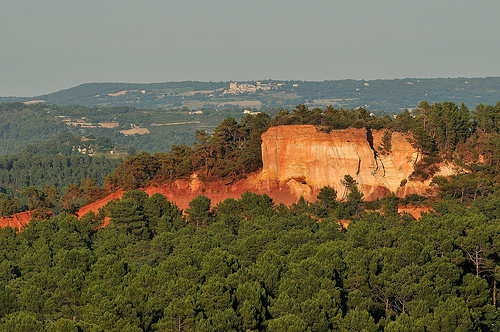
(289, 323)
(422, 114)
(71, 198)
(487, 118)
(230, 213)
(199, 212)
(386, 146)
(51, 196)
(138, 196)
(250, 297)
(327, 201)
(204, 151)
(353, 199)
(7, 300)
(8, 206)
(21, 321)
(179, 315)
(403, 122)
(327, 197)
(139, 170)
(34, 197)
(91, 192)
(303, 112)
(475, 292)
(64, 325)
(403, 323)
(128, 213)
(451, 315)
(390, 205)
(478, 244)
(104, 142)
(359, 320)
(162, 215)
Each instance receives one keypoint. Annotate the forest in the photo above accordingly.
(249, 265)
(22, 125)
(142, 264)
(47, 175)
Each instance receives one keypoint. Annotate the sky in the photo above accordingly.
(50, 45)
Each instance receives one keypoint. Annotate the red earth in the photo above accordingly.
(17, 220)
(182, 192)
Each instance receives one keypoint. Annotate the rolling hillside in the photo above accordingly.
(377, 95)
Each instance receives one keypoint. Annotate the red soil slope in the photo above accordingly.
(216, 192)
(99, 203)
(415, 211)
(17, 220)
(183, 191)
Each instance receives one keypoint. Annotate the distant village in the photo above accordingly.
(235, 88)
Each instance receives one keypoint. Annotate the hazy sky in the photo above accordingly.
(49, 45)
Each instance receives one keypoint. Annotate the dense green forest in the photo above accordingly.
(45, 175)
(249, 265)
(391, 96)
(18, 173)
(252, 265)
(21, 125)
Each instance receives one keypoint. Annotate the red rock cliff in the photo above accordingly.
(304, 159)
(298, 161)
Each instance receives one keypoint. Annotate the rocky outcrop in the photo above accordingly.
(298, 161)
(302, 155)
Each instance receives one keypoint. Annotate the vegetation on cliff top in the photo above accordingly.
(231, 152)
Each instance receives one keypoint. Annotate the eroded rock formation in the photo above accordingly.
(300, 160)
(305, 159)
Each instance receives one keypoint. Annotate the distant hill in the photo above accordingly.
(377, 95)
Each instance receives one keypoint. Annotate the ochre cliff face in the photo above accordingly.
(299, 161)
(303, 160)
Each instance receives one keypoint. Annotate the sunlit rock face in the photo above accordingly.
(300, 160)
(315, 159)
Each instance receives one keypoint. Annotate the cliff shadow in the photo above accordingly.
(369, 139)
